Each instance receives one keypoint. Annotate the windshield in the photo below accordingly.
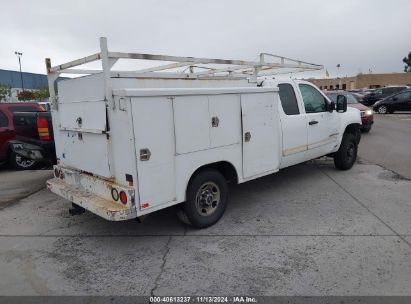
(350, 98)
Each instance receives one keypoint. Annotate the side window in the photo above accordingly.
(314, 101)
(388, 91)
(351, 99)
(4, 122)
(404, 96)
(378, 92)
(288, 99)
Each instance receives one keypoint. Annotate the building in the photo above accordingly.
(31, 81)
(362, 81)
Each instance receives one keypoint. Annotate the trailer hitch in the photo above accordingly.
(76, 209)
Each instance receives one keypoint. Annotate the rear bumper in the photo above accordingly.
(95, 194)
(91, 202)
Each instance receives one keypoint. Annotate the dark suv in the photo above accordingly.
(398, 102)
(8, 133)
(381, 93)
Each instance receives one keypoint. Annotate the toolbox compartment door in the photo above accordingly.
(83, 139)
(259, 114)
(85, 116)
(155, 150)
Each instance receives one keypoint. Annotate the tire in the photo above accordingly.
(207, 197)
(20, 163)
(366, 129)
(382, 110)
(346, 155)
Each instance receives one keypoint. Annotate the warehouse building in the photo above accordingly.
(31, 81)
(363, 81)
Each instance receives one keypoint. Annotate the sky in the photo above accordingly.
(360, 35)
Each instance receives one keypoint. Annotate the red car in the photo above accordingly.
(8, 133)
(367, 117)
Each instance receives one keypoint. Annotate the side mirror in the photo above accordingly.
(330, 106)
(341, 104)
(395, 98)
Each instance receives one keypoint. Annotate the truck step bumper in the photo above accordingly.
(91, 202)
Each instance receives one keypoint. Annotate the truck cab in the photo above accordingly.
(310, 123)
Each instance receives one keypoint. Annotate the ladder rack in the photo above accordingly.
(195, 68)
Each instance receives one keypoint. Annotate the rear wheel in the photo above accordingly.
(346, 155)
(207, 196)
(20, 163)
(383, 109)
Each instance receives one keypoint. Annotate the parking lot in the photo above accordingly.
(308, 230)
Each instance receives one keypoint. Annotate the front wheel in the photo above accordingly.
(207, 196)
(346, 155)
(382, 109)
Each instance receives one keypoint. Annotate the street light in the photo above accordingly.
(18, 54)
(338, 76)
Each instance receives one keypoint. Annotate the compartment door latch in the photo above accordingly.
(145, 154)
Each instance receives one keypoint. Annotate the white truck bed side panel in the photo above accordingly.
(153, 129)
(192, 123)
(260, 120)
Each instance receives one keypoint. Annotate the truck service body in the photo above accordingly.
(131, 144)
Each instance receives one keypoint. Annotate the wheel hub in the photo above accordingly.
(208, 198)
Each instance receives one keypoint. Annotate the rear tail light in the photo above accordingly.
(123, 197)
(43, 128)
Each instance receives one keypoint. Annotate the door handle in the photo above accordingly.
(247, 136)
(313, 122)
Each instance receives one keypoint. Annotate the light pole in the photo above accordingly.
(338, 76)
(19, 54)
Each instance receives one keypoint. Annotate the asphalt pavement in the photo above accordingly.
(15, 185)
(308, 230)
(389, 143)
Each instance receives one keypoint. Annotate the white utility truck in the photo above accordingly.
(129, 143)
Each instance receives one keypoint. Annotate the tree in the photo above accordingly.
(5, 91)
(41, 94)
(407, 61)
(25, 95)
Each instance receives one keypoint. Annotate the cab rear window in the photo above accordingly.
(288, 99)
